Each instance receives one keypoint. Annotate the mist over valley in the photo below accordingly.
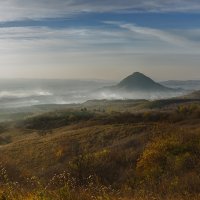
(24, 92)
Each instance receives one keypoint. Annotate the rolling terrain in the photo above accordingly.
(104, 149)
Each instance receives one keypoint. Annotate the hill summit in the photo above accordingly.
(137, 86)
(139, 82)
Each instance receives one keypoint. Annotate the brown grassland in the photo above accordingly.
(104, 150)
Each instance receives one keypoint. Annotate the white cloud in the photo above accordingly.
(25, 41)
(128, 38)
(151, 33)
(40, 52)
(12, 10)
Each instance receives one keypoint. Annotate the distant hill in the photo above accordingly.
(193, 95)
(138, 86)
(186, 85)
(139, 82)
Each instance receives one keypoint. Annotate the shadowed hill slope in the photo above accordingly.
(138, 86)
(139, 82)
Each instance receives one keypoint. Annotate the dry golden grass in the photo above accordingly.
(147, 155)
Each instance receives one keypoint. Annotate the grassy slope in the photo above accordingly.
(132, 152)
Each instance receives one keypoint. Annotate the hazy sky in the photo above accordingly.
(99, 39)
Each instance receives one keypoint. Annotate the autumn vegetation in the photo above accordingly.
(103, 151)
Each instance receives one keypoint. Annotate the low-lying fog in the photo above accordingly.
(20, 93)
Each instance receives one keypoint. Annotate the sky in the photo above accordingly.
(100, 39)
